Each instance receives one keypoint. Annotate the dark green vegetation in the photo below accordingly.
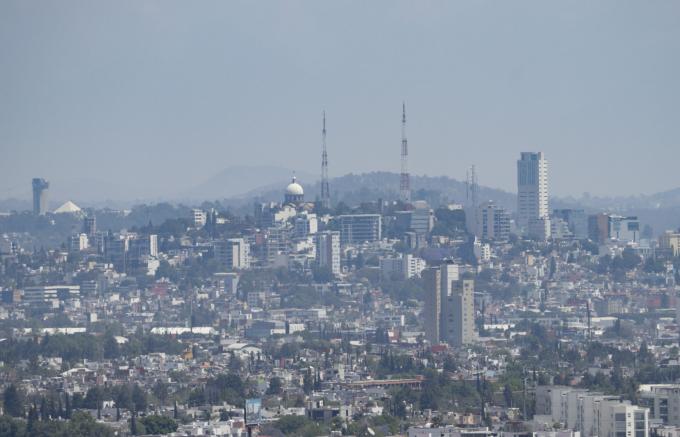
(76, 347)
(80, 425)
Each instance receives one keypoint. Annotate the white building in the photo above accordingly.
(592, 414)
(481, 250)
(360, 228)
(77, 243)
(626, 229)
(493, 222)
(449, 306)
(532, 194)
(200, 217)
(450, 431)
(401, 267)
(306, 224)
(233, 253)
(327, 251)
(670, 241)
(663, 401)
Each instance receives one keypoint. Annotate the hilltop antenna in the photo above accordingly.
(471, 190)
(405, 180)
(325, 191)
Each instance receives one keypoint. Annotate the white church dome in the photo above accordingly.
(294, 189)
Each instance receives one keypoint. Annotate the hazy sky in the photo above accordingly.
(164, 94)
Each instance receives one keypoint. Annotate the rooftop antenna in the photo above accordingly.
(325, 191)
(405, 180)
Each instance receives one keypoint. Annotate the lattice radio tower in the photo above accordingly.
(325, 190)
(471, 190)
(404, 180)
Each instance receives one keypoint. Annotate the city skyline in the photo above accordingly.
(589, 90)
(211, 222)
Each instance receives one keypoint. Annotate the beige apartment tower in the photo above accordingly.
(449, 306)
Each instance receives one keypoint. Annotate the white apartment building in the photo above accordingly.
(327, 244)
(592, 414)
(200, 217)
(663, 401)
(77, 243)
(401, 267)
(233, 253)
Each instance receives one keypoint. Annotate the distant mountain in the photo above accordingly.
(239, 181)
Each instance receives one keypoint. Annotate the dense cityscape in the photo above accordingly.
(385, 218)
(383, 318)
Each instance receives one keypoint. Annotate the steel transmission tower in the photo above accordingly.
(325, 190)
(405, 180)
(472, 188)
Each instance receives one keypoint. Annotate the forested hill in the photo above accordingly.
(356, 188)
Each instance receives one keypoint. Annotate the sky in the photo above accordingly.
(155, 97)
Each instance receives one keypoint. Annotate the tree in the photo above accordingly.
(155, 424)
(84, 425)
(139, 399)
(507, 395)
(160, 390)
(290, 425)
(275, 386)
(13, 401)
(111, 349)
(308, 382)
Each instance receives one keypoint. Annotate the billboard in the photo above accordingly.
(253, 411)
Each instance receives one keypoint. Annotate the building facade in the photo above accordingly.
(493, 222)
(40, 190)
(532, 194)
(327, 251)
(233, 253)
(360, 228)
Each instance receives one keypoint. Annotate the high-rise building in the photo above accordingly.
(670, 241)
(625, 229)
(433, 305)
(493, 222)
(327, 251)
(576, 220)
(90, 225)
(306, 224)
(598, 228)
(146, 245)
(401, 267)
(419, 220)
(77, 243)
(603, 227)
(40, 187)
(459, 313)
(532, 195)
(591, 413)
(233, 253)
(116, 251)
(663, 401)
(360, 228)
(449, 306)
(200, 217)
(277, 243)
